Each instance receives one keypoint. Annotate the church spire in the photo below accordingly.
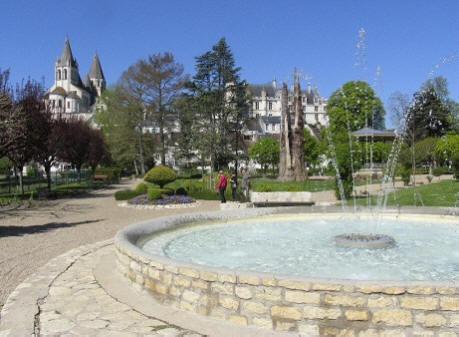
(95, 71)
(67, 56)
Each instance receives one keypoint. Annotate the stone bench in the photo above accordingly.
(280, 198)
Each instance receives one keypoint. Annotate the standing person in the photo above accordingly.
(221, 186)
(245, 183)
(233, 182)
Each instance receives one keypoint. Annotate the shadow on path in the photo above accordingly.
(21, 230)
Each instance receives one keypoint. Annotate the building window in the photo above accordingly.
(316, 108)
(59, 74)
(60, 104)
(65, 74)
(68, 105)
(257, 105)
(270, 105)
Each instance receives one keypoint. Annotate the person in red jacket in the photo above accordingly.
(221, 186)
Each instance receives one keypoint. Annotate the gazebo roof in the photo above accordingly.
(369, 132)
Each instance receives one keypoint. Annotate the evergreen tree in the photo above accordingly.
(220, 103)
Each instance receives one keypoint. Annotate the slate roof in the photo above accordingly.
(59, 91)
(256, 89)
(271, 119)
(95, 71)
(67, 56)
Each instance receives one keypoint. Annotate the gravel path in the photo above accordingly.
(29, 238)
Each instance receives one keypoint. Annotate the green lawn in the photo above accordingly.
(444, 193)
(272, 185)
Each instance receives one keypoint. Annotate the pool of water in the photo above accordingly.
(426, 249)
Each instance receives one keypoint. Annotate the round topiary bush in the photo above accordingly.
(154, 193)
(160, 175)
(142, 188)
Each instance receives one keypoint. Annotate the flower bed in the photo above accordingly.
(170, 200)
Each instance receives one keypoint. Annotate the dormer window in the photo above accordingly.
(65, 74)
(59, 74)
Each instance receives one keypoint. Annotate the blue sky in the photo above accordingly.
(406, 39)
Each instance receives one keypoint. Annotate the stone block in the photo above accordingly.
(285, 312)
(166, 278)
(430, 320)
(446, 290)
(368, 289)
(422, 303)
(123, 259)
(267, 281)
(454, 321)
(228, 303)
(449, 303)
(369, 333)
(200, 284)
(356, 315)
(156, 265)
(218, 313)
(222, 288)
(285, 326)
(393, 317)
(226, 278)
(392, 333)
(268, 293)
(382, 302)
(153, 273)
(254, 307)
(190, 296)
(243, 292)
(297, 296)
(394, 290)
(420, 290)
(238, 319)
(310, 330)
(171, 269)
(345, 300)
(189, 272)
(249, 279)
(188, 306)
(161, 288)
(336, 332)
(326, 287)
(294, 285)
(174, 291)
(135, 266)
(182, 281)
(423, 333)
(447, 334)
(311, 312)
(208, 276)
(262, 322)
(149, 284)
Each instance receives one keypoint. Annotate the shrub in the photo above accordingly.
(126, 194)
(405, 174)
(160, 175)
(156, 193)
(180, 191)
(142, 188)
(455, 161)
(438, 171)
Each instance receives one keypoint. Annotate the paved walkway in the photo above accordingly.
(78, 306)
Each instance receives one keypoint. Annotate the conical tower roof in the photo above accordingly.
(95, 71)
(67, 56)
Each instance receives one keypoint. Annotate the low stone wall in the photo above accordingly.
(314, 307)
(281, 198)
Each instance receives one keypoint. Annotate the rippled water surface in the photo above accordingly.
(425, 250)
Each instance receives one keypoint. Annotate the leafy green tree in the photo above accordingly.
(265, 151)
(220, 102)
(185, 153)
(355, 106)
(313, 148)
(378, 151)
(447, 147)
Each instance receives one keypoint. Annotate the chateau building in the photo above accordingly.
(265, 112)
(70, 97)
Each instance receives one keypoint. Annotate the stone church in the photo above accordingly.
(71, 97)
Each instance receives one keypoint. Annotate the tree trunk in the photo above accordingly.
(21, 181)
(298, 137)
(136, 168)
(285, 162)
(48, 176)
(141, 159)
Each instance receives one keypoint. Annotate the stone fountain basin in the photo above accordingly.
(313, 306)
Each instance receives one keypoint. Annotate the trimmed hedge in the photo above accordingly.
(160, 175)
(142, 188)
(126, 194)
(180, 191)
(156, 193)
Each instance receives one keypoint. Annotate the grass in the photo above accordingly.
(444, 194)
(273, 185)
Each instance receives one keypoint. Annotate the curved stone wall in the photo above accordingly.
(315, 307)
